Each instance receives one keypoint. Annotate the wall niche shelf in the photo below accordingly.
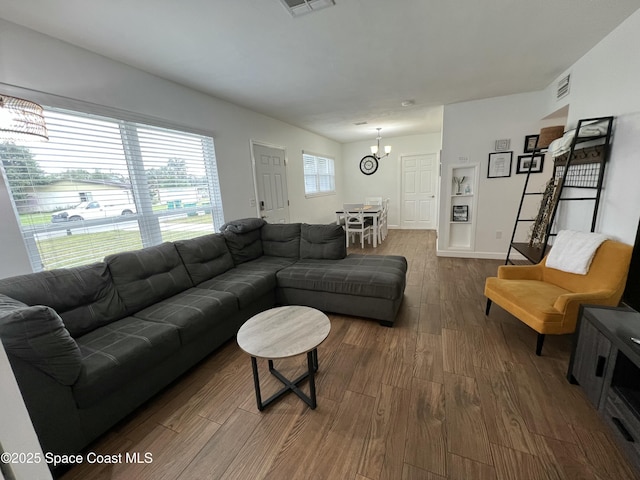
(460, 234)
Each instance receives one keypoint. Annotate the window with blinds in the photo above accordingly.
(319, 175)
(103, 185)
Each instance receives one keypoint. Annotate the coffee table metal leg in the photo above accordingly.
(315, 359)
(312, 364)
(256, 383)
(290, 385)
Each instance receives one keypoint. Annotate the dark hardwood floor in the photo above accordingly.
(447, 393)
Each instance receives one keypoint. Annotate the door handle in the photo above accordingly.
(600, 365)
(621, 428)
(262, 205)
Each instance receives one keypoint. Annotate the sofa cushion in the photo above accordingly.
(266, 263)
(192, 312)
(205, 257)
(84, 297)
(246, 284)
(147, 276)
(119, 353)
(37, 335)
(281, 239)
(322, 242)
(243, 239)
(381, 276)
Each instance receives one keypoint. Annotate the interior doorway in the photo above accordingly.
(419, 199)
(270, 180)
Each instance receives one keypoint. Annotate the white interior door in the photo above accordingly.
(419, 184)
(271, 183)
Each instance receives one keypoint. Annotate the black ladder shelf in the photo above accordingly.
(581, 167)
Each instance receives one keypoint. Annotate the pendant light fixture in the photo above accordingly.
(369, 163)
(376, 148)
(21, 119)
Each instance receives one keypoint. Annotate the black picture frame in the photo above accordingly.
(499, 164)
(523, 163)
(460, 213)
(530, 143)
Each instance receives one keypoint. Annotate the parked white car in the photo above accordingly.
(91, 211)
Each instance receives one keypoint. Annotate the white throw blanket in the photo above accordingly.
(562, 145)
(573, 251)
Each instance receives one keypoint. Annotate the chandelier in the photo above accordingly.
(376, 148)
(21, 119)
(369, 163)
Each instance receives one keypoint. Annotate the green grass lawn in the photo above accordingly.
(35, 219)
(83, 248)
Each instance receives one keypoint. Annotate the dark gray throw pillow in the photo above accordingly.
(281, 239)
(243, 225)
(323, 242)
(38, 336)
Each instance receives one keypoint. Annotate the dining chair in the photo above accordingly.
(355, 223)
(383, 224)
(373, 200)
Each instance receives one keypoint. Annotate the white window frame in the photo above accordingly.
(148, 228)
(316, 157)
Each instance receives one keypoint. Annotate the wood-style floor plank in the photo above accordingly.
(503, 419)
(447, 393)
(220, 451)
(426, 441)
(428, 364)
(466, 431)
(461, 468)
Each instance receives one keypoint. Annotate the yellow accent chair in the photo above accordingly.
(548, 300)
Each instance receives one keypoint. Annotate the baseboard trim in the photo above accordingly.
(481, 255)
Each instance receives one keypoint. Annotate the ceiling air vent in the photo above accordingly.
(563, 86)
(301, 7)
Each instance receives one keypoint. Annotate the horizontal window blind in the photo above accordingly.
(319, 174)
(103, 185)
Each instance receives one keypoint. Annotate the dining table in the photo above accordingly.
(369, 211)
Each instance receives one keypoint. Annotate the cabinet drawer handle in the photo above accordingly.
(600, 365)
(625, 433)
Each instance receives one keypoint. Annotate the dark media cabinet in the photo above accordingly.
(605, 362)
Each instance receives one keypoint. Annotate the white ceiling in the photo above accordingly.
(353, 62)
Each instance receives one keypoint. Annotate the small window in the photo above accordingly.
(319, 175)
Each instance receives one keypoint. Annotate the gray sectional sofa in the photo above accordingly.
(90, 344)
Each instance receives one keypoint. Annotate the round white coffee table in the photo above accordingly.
(281, 333)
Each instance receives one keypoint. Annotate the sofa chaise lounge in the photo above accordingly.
(89, 344)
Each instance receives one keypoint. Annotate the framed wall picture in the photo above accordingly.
(530, 143)
(499, 164)
(503, 144)
(534, 161)
(460, 213)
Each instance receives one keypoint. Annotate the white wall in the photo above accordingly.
(386, 181)
(37, 62)
(605, 82)
(470, 130)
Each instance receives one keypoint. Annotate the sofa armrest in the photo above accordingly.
(37, 336)
(520, 272)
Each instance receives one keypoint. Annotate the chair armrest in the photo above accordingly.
(569, 303)
(520, 272)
